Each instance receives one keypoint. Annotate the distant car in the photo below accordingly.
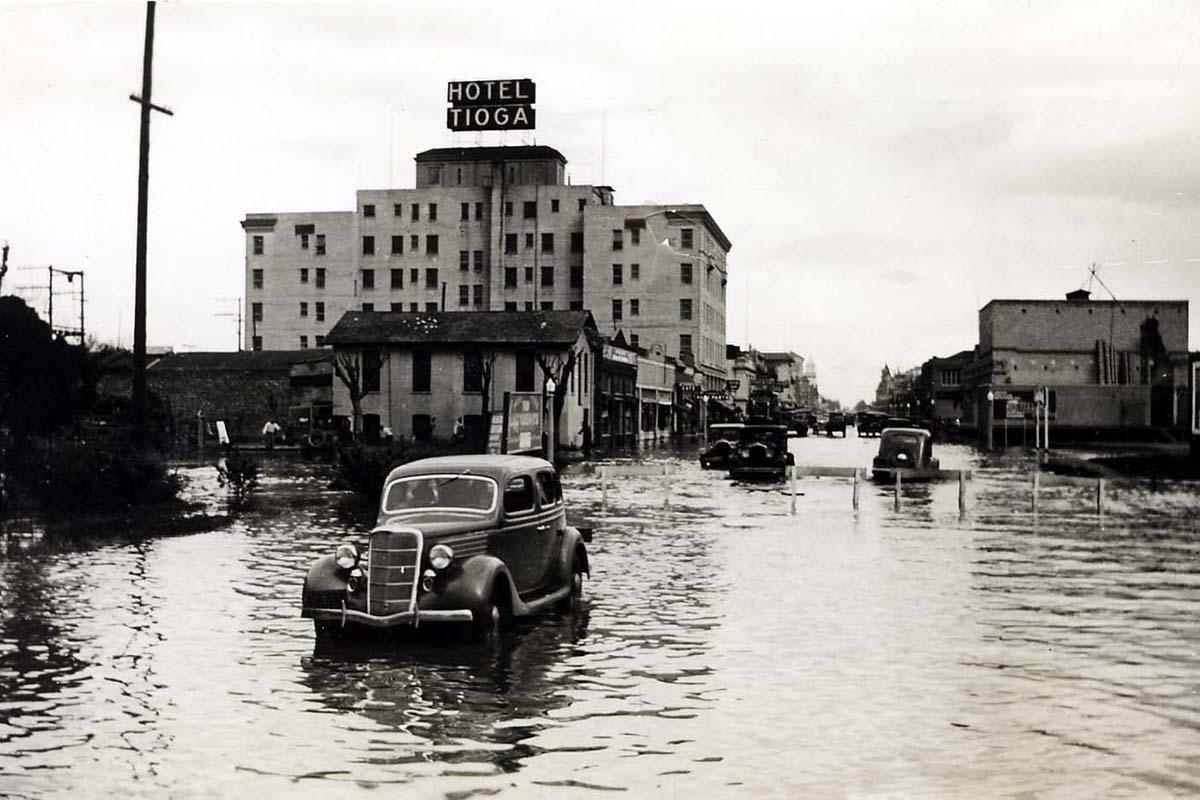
(459, 539)
(761, 452)
(907, 449)
(722, 439)
(835, 424)
(870, 423)
(798, 424)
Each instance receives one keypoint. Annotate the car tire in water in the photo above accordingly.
(575, 596)
(486, 625)
(325, 629)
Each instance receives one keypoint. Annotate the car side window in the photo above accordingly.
(518, 495)
(549, 490)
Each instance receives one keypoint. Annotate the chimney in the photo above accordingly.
(1079, 295)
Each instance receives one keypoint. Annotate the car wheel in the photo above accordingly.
(486, 626)
(325, 629)
(573, 597)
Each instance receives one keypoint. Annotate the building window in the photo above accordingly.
(397, 279)
(529, 305)
(397, 306)
(398, 245)
(320, 244)
(685, 343)
(464, 295)
(576, 305)
(368, 306)
(577, 242)
(396, 209)
(576, 277)
(554, 205)
(414, 307)
(635, 272)
(368, 278)
(530, 209)
(320, 340)
(529, 274)
(633, 339)
(320, 312)
(304, 309)
(618, 243)
(529, 241)
(304, 275)
(368, 245)
(547, 305)
(635, 307)
(416, 212)
(472, 371)
(368, 210)
(421, 369)
(464, 212)
(433, 212)
(685, 273)
(257, 278)
(525, 364)
(478, 211)
(508, 208)
(635, 236)
(477, 256)
(685, 238)
(618, 275)
(685, 309)
(258, 245)
(510, 306)
(431, 307)
(256, 342)
(464, 260)
(478, 292)
(951, 377)
(422, 427)
(414, 275)
(616, 311)
(303, 342)
(547, 242)
(510, 244)
(582, 203)
(372, 364)
(547, 276)
(435, 176)
(431, 244)
(510, 277)
(320, 277)
(304, 241)
(256, 312)
(431, 278)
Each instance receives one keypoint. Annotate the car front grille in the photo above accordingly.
(395, 560)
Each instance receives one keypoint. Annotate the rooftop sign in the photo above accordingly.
(491, 105)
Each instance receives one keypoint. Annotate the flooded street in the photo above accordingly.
(726, 648)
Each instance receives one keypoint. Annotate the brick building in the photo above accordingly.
(494, 229)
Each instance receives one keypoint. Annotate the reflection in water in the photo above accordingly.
(725, 647)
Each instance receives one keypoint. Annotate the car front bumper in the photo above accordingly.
(348, 616)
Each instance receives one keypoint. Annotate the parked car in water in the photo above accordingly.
(870, 423)
(459, 539)
(906, 449)
(761, 452)
(722, 439)
(835, 424)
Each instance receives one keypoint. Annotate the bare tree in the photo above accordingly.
(349, 366)
(487, 372)
(557, 367)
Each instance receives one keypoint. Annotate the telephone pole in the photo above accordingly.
(139, 291)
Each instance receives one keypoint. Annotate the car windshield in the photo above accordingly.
(765, 435)
(451, 491)
(903, 439)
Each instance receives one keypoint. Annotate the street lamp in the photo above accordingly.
(551, 441)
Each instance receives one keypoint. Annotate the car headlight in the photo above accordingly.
(440, 556)
(346, 556)
(745, 453)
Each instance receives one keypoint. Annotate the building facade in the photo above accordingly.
(494, 229)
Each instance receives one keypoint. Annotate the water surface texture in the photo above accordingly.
(726, 648)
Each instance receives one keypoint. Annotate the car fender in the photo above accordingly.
(324, 578)
(472, 583)
(572, 544)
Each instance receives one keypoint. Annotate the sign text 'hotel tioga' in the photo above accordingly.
(491, 105)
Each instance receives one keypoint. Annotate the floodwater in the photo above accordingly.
(726, 649)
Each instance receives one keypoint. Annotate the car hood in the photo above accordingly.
(437, 523)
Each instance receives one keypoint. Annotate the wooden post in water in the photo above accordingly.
(1100, 499)
(857, 473)
(604, 488)
(792, 474)
(962, 492)
(1036, 481)
(666, 486)
(897, 490)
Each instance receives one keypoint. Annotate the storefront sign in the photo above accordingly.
(732, 386)
(620, 356)
(504, 105)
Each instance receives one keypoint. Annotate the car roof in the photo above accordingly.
(499, 467)
(727, 425)
(919, 431)
(764, 427)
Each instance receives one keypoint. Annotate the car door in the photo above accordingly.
(516, 542)
(551, 523)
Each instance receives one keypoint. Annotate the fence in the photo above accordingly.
(859, 474)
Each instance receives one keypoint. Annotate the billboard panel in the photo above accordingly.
(491, 118)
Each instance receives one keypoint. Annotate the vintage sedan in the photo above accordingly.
(761, 452)
(905, 450)
(722, 438)
(460, 539)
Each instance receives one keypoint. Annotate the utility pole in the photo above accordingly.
(70, 274)
(237, 314)
(3, 264)
(139, 291)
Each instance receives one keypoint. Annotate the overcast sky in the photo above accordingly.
(883, 170)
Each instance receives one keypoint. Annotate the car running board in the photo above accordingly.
(533, 606)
